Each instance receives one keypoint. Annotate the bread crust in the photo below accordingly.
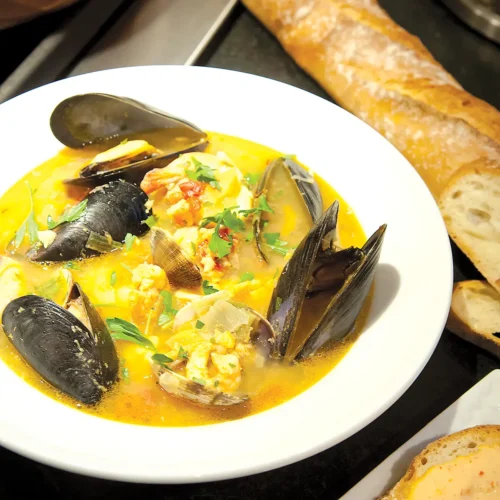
(466, 441)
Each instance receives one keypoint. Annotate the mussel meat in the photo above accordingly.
(284, 179)
(94, 118)
(180, 270)
(68, 345)
(214, 313)
(112, 211)
(341, 278)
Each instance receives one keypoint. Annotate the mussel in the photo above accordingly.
(93, 118)
(112, 211)
(284, 179)
(340, 278)
(216, 312)
(166, 253)
(68, 345)
(87, 119)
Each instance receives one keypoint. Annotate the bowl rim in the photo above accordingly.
(53, 456)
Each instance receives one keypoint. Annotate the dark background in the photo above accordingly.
(455, 366)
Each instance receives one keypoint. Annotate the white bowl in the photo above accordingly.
(412, 286)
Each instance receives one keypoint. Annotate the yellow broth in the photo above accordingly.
(137, 397)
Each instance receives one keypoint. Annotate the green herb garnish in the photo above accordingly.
(29, 225)
(70, 215)
(169, 312)
(199, 381)
(161, 359)
(129, 241)
(123, 330)
(274, 243)
(182, 353)
(216, 383)
(249, 237)
(112, 279)
(232, 365)
(279, 301)
(203, 173)
(262, 206)
(246, 277)
(50, 288)
(71, 265)
(151, 220)
(125, 374)
(199, 324)
(252, 178)
(208, 289)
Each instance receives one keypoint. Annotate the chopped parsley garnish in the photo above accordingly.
(112, 279)
(151, 220)
(199, 324)
(203, 173)
(274, 243)
(193, 247)
(232, 365)
(199, 381)
(29, 225)
(129, 241)
(216, 383)
(70, 215)
(279, 301)
(161, 359)
(50, 288)
(219, 246)
(123, 330)
(71, 265)
(125, 372)
(252, 178)
(246, 277)
(249, 237)
(262, 206)
(208, 289)
(169, 312)
(182, 353)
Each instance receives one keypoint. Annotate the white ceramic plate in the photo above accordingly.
(412, 294)
(480, 405)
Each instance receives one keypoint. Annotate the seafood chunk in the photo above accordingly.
(112, 211)
(68, 346)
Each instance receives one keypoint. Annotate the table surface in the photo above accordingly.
(452, 370)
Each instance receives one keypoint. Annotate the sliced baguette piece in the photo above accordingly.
(445, 450)
(470, 205)
(475, 314)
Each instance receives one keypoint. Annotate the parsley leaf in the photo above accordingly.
(182, 353)
(252, 178)
(50, 288)
(151, 220)
(231, 220)
(228, 218)
(216, 383)
(29, 225)
(199, 324)
(271, 238)
(169, 312)
(70, 215)
(161, 359)
(220, 246)
(123, 330)
(199, 381)
(112, 279)
(262, 206)
(129, 241)
(208, 289)
(246, 277)
(71, 265)
(275, 244)
(203, 173)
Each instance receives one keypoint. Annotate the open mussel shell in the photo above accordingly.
(294, 182)
(181, 387)
(178, 267)
(345, 276)
(95, 118)
(133, 172)
(112, 211)
(76, 356)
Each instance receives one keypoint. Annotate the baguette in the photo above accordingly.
(379, 72)
(475, 314)
(471, 478)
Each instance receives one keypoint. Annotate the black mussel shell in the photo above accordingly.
(301, 180)
(114, 209)
(95, 118)
(75, 360)
(291, 289)
(133, 173)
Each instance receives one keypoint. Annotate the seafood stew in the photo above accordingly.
(162, 275)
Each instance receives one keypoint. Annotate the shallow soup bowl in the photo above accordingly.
(412, 286)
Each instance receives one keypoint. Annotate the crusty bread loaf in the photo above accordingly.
(475, 314)
(446, 449)
(385, 76)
